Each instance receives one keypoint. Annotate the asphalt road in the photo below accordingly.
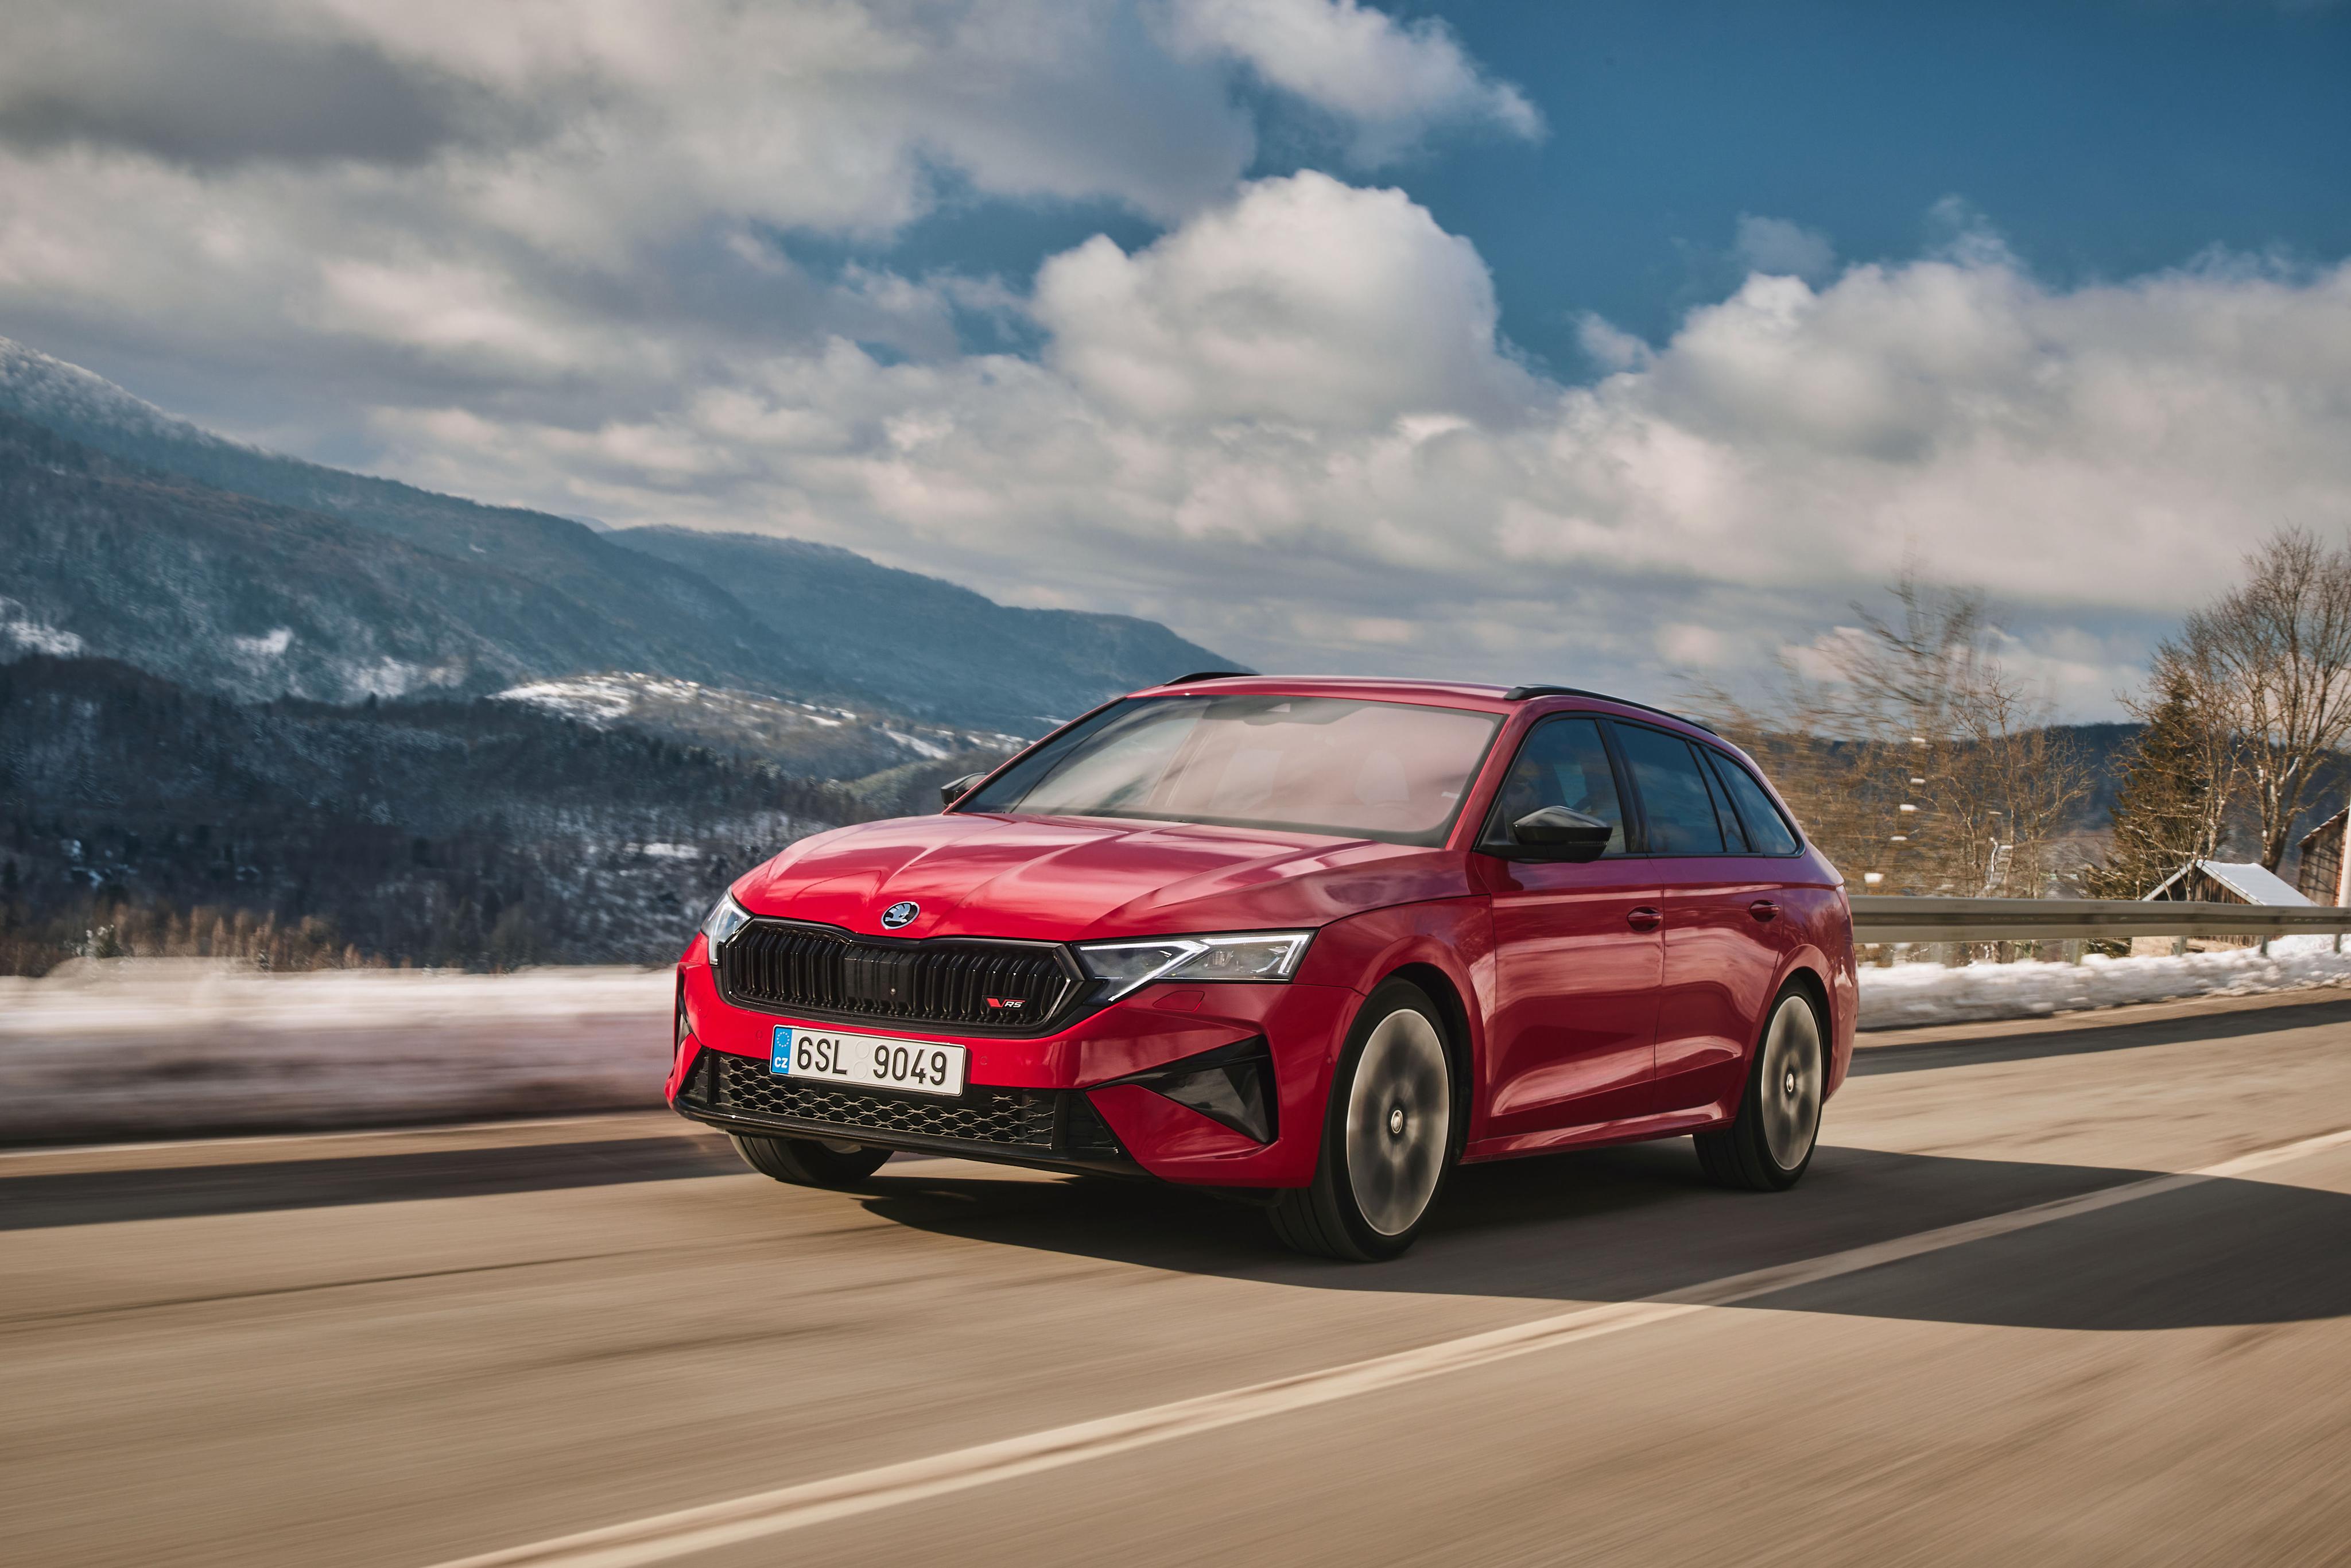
(407, 1349)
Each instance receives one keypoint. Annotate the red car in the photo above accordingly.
(1306, 941)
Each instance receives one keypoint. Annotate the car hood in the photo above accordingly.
(1069, 878)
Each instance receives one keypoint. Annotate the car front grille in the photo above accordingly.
(1015, 987)
(1007, 1118)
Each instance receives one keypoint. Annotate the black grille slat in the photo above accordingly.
(800, 969)
(1007, 1118)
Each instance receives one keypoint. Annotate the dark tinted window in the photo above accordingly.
(1563, 763)
(1675, 801)
(1766, 828)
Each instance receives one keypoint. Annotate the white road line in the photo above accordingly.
(665, 1536)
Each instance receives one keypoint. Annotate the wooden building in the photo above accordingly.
(2226, 881)
(2326, 873)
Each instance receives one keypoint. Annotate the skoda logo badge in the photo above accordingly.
(902, 913)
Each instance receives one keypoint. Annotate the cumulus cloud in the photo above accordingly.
(1782, 249)
(1295, 477)
(1393, 82)
(1303, 302)
(561, 262)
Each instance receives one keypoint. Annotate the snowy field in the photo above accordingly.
(150, 1048)
(159, 1047)
(1912, 994)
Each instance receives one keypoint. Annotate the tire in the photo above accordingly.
(807, 1162)
(1388, 1135)
(1769, 1146)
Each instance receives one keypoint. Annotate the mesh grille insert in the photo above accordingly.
(1011, 1118)
(974, 984)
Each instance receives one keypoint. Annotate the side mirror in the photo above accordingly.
(955, 789)
(1556, 833)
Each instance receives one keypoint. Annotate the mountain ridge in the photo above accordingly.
(636, 608)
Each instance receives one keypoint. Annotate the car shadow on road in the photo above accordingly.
(1622, 1224)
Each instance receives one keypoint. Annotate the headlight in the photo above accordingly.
(725, 918)
(1129, 966)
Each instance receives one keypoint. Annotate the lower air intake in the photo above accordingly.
(1007, 1118)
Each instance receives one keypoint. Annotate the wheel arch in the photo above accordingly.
(1815, 986)
(1810, 968)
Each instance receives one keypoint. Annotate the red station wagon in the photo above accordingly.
(1308, 942)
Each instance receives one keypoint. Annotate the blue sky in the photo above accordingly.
(1624, 344)
(2102, 141)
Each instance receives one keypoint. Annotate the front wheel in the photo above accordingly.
(1771, 1142)
(1387, 1135)
(808, 1162)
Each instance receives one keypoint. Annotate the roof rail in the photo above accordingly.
(1520, 694)
(1206, 676)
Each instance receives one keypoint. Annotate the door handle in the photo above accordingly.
(1643, 918)
(1763, 909)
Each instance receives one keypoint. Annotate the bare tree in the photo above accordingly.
(1915, 756)
(2269, 664)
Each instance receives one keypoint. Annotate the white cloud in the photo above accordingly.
(1304, 302)
(1394, 82)
(563, 273)
(1782, 249)
(1362, 471)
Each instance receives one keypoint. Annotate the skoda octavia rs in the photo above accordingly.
(1311, 943)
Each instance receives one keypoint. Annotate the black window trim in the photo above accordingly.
(1727, 819)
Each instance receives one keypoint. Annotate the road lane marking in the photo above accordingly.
(661, 1538)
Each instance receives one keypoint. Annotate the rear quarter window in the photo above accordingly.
(1767, 831)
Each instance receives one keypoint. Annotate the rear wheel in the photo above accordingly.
(1769, 1146)
(1387, 1135)
(808, 1162)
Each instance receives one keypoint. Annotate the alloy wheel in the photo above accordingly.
(1399, 1118)
(1790, 1083)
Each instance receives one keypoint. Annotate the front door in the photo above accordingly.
(1578, 954)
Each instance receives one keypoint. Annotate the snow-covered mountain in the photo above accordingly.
(133, 534)
(820, 740)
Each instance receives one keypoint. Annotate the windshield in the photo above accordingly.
(1314, 765)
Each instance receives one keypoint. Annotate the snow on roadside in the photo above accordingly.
(1912, 994)
(159, 1047)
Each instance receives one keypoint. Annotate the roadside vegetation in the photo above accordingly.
(1921, 764)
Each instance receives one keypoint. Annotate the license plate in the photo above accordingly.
(918, 1066)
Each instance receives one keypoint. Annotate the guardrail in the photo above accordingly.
(1901, 918)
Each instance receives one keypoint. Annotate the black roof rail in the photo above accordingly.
(1207, 676)
(1520, 694)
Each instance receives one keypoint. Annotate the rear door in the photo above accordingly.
(1721, 927)
(1578, 955)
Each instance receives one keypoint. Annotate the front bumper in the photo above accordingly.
(1056, 1100)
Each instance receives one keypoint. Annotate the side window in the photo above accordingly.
(1675, 800)
(1564, 763)
(1766, 828)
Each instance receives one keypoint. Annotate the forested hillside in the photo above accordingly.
(470, 833)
